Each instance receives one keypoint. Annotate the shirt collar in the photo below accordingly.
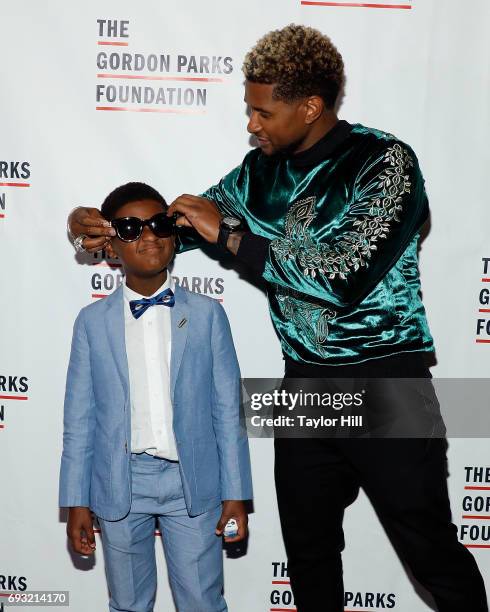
(129, 294)
(324, 147)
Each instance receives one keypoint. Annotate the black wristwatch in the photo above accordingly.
(227, 226)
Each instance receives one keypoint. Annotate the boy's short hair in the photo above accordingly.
(130, 192)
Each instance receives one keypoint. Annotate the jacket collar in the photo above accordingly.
(179, 318)
(322, 149)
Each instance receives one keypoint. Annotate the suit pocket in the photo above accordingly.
(206, 468)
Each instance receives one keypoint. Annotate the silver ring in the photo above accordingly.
(78, 243)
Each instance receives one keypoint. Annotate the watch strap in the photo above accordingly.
(223, 235)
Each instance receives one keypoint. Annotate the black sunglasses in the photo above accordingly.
(129, 229)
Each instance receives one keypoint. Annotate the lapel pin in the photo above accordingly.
(182, 323)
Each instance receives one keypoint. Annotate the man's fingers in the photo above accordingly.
(92, 221)
(92, 230)
(183, 221)
(221, 525)
(242, 529)
(82, 540)
(80, 530)
(79, 543)
(186, 203)
(187, 198)
(180, 206)
(89, 530)
(92, 245)
(74, 537)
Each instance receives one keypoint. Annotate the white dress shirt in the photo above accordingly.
(148, 344)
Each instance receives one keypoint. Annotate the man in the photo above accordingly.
(152, 422)
(332, 214)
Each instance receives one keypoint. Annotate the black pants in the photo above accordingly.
(406, 482)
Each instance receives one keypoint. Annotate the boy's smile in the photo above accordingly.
(145, 260)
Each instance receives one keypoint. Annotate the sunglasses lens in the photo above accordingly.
(161, 225)
(128, 228)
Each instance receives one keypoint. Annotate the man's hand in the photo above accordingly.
(233, 509)
(89, 221)
(199, 213)
(80, 530)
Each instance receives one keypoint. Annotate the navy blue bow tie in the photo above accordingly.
(165, 298)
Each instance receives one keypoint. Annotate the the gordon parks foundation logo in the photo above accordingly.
(13, 174)
(282, 599)
(483, 321)
(390, 4)
(107, 275)
(10, 584)
(475, 531)
(152, 82)
(12, 388)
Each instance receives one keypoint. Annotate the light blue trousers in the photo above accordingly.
(192, 550)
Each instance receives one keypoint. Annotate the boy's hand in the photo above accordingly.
(89, 221)
(80, 530)
(233, 509)
(199, 213)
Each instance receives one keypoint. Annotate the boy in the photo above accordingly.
(152, 423)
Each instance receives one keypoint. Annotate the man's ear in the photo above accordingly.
(109, 249)
(314, 107)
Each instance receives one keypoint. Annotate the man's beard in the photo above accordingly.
(284, 151)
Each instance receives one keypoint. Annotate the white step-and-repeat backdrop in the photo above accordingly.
(94, 94)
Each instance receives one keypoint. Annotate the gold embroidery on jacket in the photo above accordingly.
(307, 317)
(372, 217)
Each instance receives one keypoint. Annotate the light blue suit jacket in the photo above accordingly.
(205, 390)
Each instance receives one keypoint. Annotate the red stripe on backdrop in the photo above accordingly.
(149, 110)
(477, 488)
(484, 310)
(103, 295)
(357, 5)
(295, 610)
(2, 216)
(158, 78)
(15, 184)
(14, 397)
(482, 341)
(113, 44)
(481, 517)
(477, 545)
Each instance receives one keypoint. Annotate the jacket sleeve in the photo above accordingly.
(228, 420)
(384, 208)
(78, 424)
(231, 193)
(226, 197)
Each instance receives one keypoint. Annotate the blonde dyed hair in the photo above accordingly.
(300, 61)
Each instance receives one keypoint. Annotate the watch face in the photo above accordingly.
(231, 222)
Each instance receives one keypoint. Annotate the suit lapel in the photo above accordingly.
(179, 317)
(114, 319)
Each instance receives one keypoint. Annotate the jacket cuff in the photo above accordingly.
(253, 251)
